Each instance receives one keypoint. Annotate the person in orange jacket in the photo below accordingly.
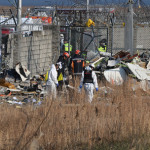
(77, 64)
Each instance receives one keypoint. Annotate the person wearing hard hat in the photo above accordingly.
(103, 45)
(60, 76)
(89, 80)
(61, 42)
(66, 47)
(64, 62)
(52, 82)
(77, 63)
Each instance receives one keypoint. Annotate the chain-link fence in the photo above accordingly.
(116, 34)
(87, 39)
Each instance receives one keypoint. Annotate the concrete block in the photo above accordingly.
(44, 55)
(44, 42)
(36, 47)
(35, 52)
(37, 38)
(42, 65)
(46, 46)
(37, 33)
(24, 44)
(23, 54)
(48, 37)
(44, 51)
(35, 43)
(35, 57)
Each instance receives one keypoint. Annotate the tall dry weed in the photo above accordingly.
(70, 122)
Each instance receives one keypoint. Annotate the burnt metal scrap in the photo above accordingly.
(121, 66)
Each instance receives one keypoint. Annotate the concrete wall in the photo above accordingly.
(36, 52)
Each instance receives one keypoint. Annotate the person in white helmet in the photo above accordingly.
(89, 80)
(52, 81)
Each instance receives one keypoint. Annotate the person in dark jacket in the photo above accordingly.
(63, 59)
(77, 63)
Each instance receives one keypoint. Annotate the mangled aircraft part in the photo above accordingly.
(145, 85)
(148, 65)
(139, 72)
(115, 76)
(112, 63)
(22, 71)
(98, 61)
(121, 54)
(105, 54)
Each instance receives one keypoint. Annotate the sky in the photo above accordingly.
(63, 2)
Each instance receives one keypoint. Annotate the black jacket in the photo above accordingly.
(77, 65)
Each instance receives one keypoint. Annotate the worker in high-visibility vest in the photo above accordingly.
(103, 45)
(66, 47)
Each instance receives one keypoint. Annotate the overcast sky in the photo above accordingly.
(63, 2)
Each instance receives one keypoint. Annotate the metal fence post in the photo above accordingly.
(112, 34)
(19, 11)
(69, 39)
(129, 28)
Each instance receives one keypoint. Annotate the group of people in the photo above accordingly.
(75, 66)
(102, 46)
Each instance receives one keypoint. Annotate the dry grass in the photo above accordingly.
(117, 116)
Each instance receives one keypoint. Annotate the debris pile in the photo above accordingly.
(118, 68)
(16, 87)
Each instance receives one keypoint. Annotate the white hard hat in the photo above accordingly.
(61, 35)
(59, 65)
(92, 65)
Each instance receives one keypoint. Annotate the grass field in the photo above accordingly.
(118, 120)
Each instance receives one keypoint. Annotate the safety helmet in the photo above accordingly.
(77, 52)
(66, 54)
(103, 42)
(92, 66)
(61, 36)
(59, 65)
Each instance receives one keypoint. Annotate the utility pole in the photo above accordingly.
(112, 19)
(87, 9)
(19, 11)
(129, 28)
